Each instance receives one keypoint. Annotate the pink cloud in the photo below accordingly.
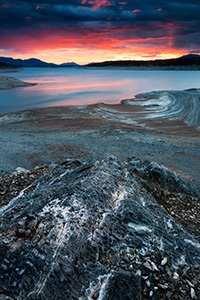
(5, 5)
(39, 7)
(118, 41)
(97, 3)
(159, 9)
(123, 3)
(28, 18)
(136, 11)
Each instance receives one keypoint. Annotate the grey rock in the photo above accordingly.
(80, 231)
(10, 82)
(3, 297)
(159, 175)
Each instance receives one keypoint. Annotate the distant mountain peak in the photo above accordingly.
(190, 56)
(187, 62)
(68, 64)
(33, 62)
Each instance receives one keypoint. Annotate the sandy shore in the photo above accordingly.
(51, 135)
(88, 213)
(10, 82)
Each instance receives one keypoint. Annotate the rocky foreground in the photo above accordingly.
(10, 82)
(85, 230)
(98, 215)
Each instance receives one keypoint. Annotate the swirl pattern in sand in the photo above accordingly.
(171, 105)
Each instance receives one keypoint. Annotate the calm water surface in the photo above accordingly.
(69, 86)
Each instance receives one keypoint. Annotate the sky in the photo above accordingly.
(87, 31)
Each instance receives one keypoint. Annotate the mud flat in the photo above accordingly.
(160, 126)
(10, 82)
(102, 201)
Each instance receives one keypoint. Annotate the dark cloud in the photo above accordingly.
(80, 10)
(122, 19)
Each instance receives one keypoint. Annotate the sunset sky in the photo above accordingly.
(86, 31)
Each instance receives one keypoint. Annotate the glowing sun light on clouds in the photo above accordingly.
(97, 3)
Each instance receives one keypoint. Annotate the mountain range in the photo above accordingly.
(5, 67)
(33, 62)
(190, 61)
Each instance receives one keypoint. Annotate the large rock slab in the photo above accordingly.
(94, 231)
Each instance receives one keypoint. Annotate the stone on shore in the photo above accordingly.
(95, 231)
(10, 82)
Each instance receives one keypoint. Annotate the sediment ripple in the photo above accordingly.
(172, 105)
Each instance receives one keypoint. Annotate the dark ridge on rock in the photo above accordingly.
(161, 176)
(93, 231)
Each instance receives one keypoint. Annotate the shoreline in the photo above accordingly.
(151, 111)
(50, 135)
(156, 68)
(9, 70)
(98, 181)
(11, 82)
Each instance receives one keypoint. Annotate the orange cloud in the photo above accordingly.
(123, 37)
(93, 44)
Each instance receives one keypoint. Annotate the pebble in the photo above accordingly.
(154, 266)
(151, 266)
(148, 283)
(176, 276)
(163, 286)
(164, 261)
(189, 283)
(192, 293)
(139, 273)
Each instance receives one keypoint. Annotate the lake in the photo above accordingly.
(71, 86)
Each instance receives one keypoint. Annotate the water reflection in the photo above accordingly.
(68, 86)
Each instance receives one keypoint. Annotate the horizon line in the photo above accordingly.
(73, 62)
